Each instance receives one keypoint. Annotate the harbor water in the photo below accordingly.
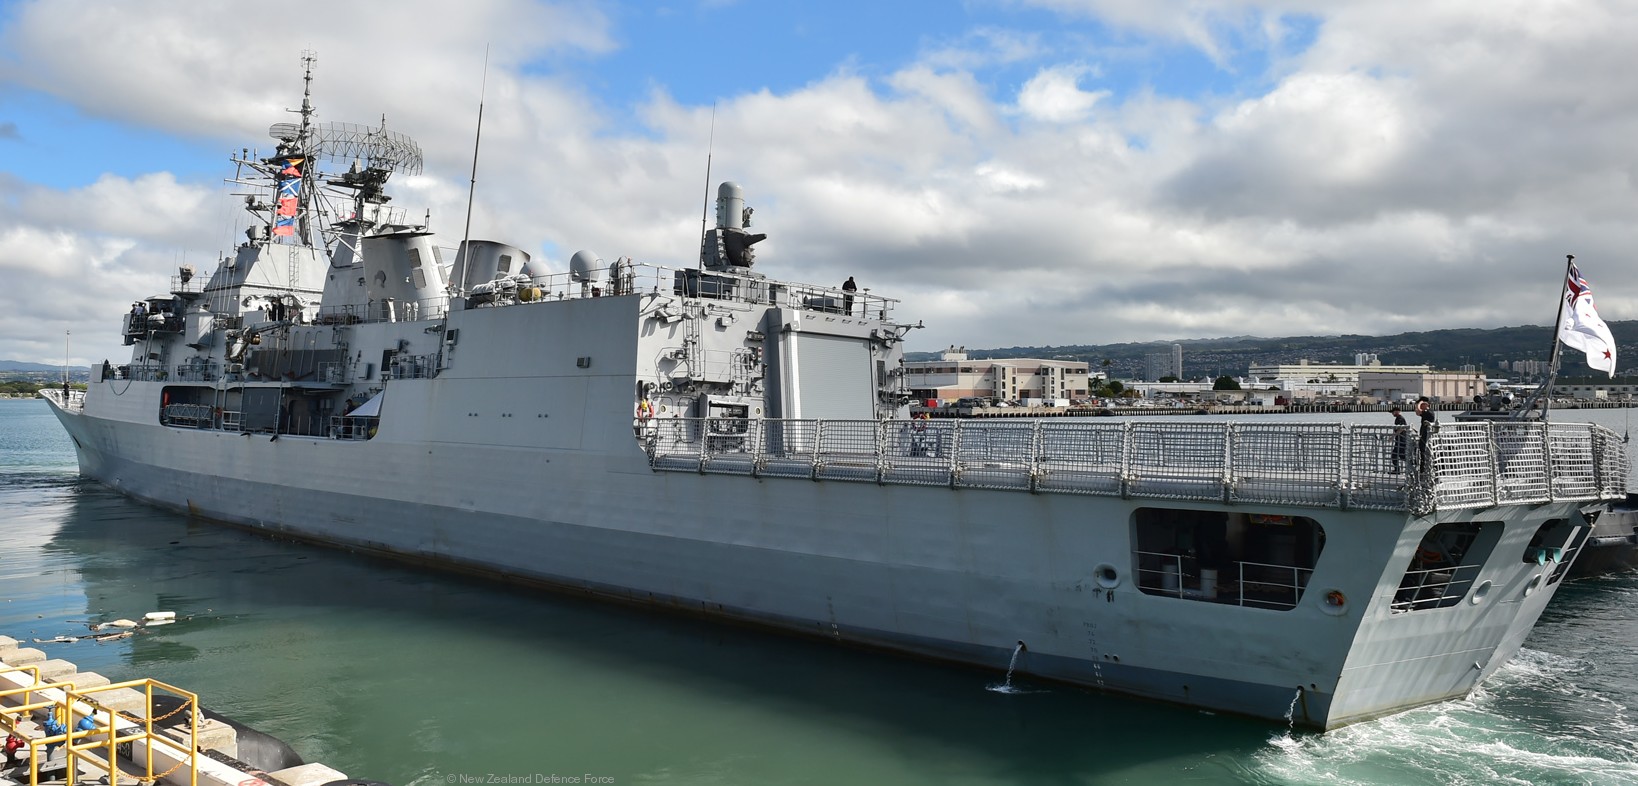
(416, 678)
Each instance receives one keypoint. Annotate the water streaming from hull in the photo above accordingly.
(1006, 687)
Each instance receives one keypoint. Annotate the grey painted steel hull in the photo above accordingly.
(962, 575)
(506, 426)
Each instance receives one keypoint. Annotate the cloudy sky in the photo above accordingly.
(1041, 172)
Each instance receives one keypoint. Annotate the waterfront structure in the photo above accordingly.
(1305, 371)
(713, 440)
(955, 376)
(1579, 389)
(1304, 390)
(1182, 390)
(1440, 386)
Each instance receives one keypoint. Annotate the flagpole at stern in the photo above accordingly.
(1544, 394)
(1558, 323)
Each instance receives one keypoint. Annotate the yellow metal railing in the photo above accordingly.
(95, 737)
(142, 730)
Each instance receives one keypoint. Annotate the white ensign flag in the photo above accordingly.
(1580, 327)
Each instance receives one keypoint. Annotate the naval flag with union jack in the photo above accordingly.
(1580, 327)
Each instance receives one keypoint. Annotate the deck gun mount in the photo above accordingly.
(728, 246)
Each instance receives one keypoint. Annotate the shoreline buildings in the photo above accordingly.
(955, 376)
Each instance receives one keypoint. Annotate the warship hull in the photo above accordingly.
(963, 575)
(711, 440)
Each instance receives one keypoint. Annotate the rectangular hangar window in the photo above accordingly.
(1262, 560)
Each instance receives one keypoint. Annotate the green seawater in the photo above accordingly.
(418, 678)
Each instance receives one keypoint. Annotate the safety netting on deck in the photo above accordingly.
(1462, 465)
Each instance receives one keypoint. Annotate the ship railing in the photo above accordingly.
(70, 400)
(1270, 586)
(348, 427)
(1463, 465)
(147, 372)
(199, 372)
(1256, 584)
(640, 278)
(1432, 588)
(384, 310)
(411, 367)
(140, 325)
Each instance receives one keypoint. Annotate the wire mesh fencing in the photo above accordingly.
(1462, 465)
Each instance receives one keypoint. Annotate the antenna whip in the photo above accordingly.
(466, 234)
(705, 202)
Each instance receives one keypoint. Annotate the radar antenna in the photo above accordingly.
(374, 147)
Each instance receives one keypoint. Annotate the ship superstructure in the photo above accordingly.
(712, 439)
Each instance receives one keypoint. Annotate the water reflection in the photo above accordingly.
(400, 674)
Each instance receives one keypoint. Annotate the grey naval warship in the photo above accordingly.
(714, 440)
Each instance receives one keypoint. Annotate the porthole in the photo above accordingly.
(1107, 576)
(1535, 584)
(1479, 593)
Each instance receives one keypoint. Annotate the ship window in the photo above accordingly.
(505, 264)
(1261, 560)
(415, 257)
(1442, 569)
(419, 278)
(188, 406)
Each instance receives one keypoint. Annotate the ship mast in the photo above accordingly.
(304, 146)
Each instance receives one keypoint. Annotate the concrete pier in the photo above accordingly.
(35, 689)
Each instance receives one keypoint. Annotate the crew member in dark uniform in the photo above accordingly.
(1401, 439)
(1430, 424)
(848, 288)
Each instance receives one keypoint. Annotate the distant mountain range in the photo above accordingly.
(1440, 349)
(17, 365)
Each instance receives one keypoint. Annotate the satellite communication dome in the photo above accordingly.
(586, 266)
